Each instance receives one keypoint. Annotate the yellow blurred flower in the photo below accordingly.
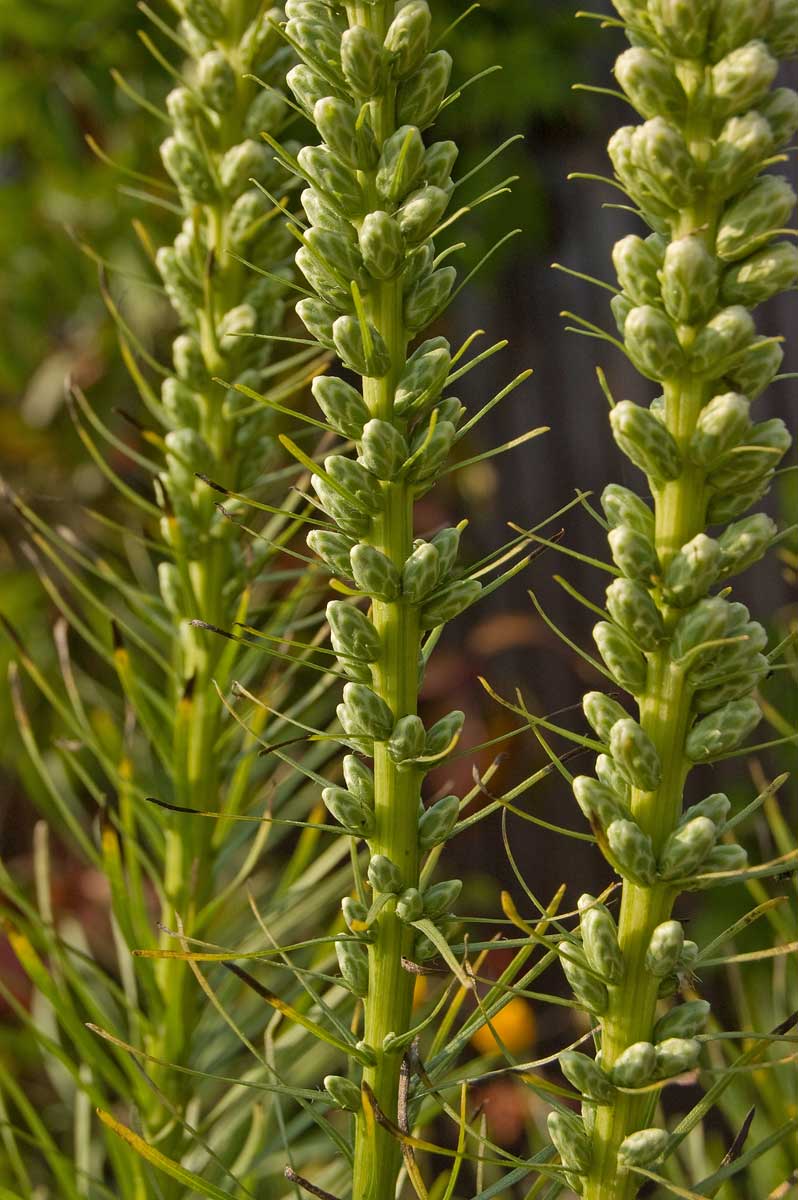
(515, 1025)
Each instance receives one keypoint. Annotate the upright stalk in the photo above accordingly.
(690, 657)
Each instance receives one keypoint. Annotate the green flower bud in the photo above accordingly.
(322, 215)
(732, 687)
(753, 218)
(449, 603)
(383, 875)
(350, 812)
(421, 212)
(689, 280)
(608, 773)
(725, 857)
(658, 149)
(420, 573)
(410, 906)
(364, 355)
(436, 823)
(635, 1065)
(206, 16)
(423, 377)
(780, 108)
(730, 658)
(743, 145)
(401, 163)
(704, 622)
(343, 1092)
(359, 779)
(428, 297)
(600, 939)
(189, 170)
(439, 160)
(183, 108)
(745, 542)
(368, 713)
(419, 98)
(440, 898)
(587, 1077)
(630, 605)
(682, 25)
(736, 22)
(621, 306)
(407, 37)
(338, 183)
(723, 506)
(692, 571)
(642, 1148)
(622, 507)
(723, 730)
(651, 84)
(352, 632)
(602, 712)
(361, 60)
(381, 245)
(354, 914)
(675, 1056)
(347, 137)
(720, 344)
(242, 163)
(599, 803)
(762, 275)
(383, 450)
(187, 451)
(720, 426)
(632, 852)
(315, 36)
(635, 755)
(570, 1140)
(435, 449)
(260, 40)
(621, 656)
(742, 78)
(374, 573)
(407, 740)
(217, 81)
(341, 404)
(634, 554)
(356, 479)
(588, 990)
(716, 807)
(644, 439)
(447, 545)
(318, 318)
(353, 963)
(444, 732)
(686, 848)
(637, 263)
(180, 403)
(332, 548)
(764, 447)
(652, 344)
(683, 1021)
(266, 112)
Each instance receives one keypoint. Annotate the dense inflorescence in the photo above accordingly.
(690, 656)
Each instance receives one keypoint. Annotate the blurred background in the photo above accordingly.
(57, 200)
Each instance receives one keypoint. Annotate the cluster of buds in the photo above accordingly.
(700, 75)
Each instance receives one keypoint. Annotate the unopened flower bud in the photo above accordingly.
(419, 97)
(353, 963)
(652, 344)
(587, 989)
(369, 714)
(333, 548)
(401, 163)
(428, 297)
(675, 1056)
(622, 507)
(384, 875)
(738, 153)
(359, 779)
(720, 344)
(343, 1092)
(383, 450)
(637, 262)
(720, 426)
(350, 812)
(602, 712)
(723, 730)
(745, 542)
(217, 81)
(736, 22)
(632, 852)
(742, 78)
(408, 35)
(352, 632)
(444, 733)
(436, 823)
(381, 245)
(634, 554)
(420, 573)
(764, 208)
(450, 602)
(587, 1077)
(730, 857)
(642, 1148)
(686, 848)
(765, 446)
(622, 658)
(682, 25)
(631, 606)
(407, 740)
(421, 212)
(692, 571)
(683, 1021)
(762, 275)
(349, 138)
(659, 149)
(361, 60)
(689, 280)
(189, 170)
(780, 107)
(423, 377)
(651, 84)
(608, 773)
(599, 803)
(644, 439)
(440, 898)
(600, 939)
(373, 572)
(635, 1065)
(206, 16)
(635, 754)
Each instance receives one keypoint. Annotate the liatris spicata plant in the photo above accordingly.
(674, 638)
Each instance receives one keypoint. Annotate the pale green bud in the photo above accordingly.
(743, 145)
(736, 22)
(652, 344)
(189, 362)
(631, 606)
(632, 852)
(189, 170)
(570, 1140)
(716, 807)
(428, 297)
(444, 732)
(357, 481)
(782, 29)
(419, 98)
(359, 779)
(322, 215)
(634, 554)
(401, 163)
(183, 107)
(435, 449)
(260, 40)
(644, 439)
(436, 823)
(206, 16)
(423, 377)
(421, 212)
(350, 138)
(686, 848)
(764, 208)
(450, 602)
(217, 81)
(745, 542)
(384, 875)
(689, 280)
(602, 712)
(665, 948)
(704, 622)
(780, 109)
(381, 245)
(315, 35)
(721, 425)
(335, 179)
(642, 1148)
(354, 913)
(180, 403)
(332, 548)
(587, 989)
(361, 60)
(622, 507)
(383, 450)
(343, 1092)
(723, 506)
(682, 25)
(368, 713)
(764, 447)
(407, 740)
(732, 687)
(447, 544)
(723, 730)
(607, 771)
(651, 84)
(190, 449)
(353, 963)
(660, 151)
(762, 275)
(599, 803)
(725, 857)
(730, 658)
(692, 571)
(635, 1065)
(635, 755)
(587, 1077)
(364, 355)
(318, 318)
(683, 1021)
(621, 656)
(373, 572)
(637, 262)
(440, 898)
(420, 573)
(352, 632)
(600, 939)
(410, 906)
(341, 404)
(266, 112)
(407, 37)
(242, 163)
(675, 1056)
(350, 812)
(743, 78)
(720, 344)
